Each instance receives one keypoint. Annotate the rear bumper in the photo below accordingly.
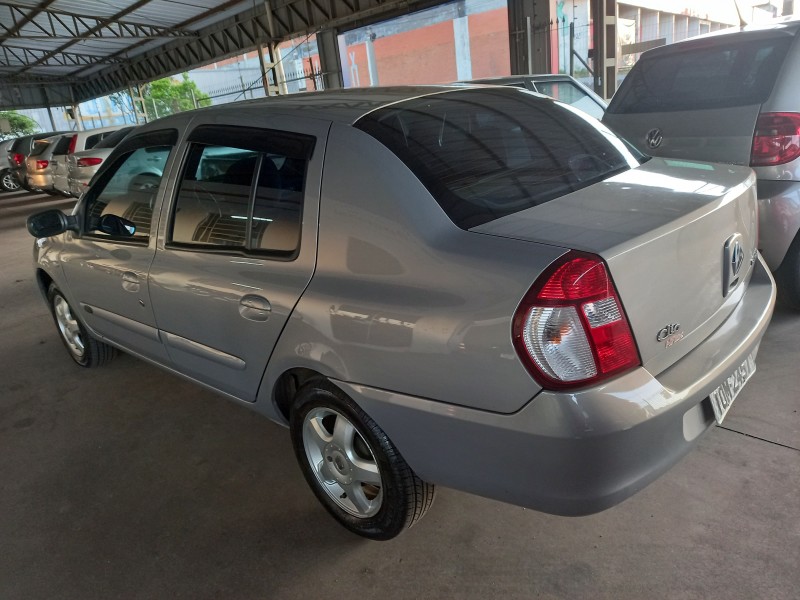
(40, 181)
(778, 219)
(581, 452)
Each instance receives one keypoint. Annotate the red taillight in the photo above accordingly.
(42, 164)
(570, 330)
(72, 143)
(18, 159)
(776, 140)
(89, 162)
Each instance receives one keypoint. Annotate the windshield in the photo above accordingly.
(490, 152)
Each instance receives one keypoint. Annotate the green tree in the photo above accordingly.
(168, 96)
(18, 125)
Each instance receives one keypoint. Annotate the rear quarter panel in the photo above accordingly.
(402, 299)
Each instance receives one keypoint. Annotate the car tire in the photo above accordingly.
(787, 276)
(351, 465)
(8, 182)
(82, 347)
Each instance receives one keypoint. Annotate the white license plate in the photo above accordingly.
(725, 394)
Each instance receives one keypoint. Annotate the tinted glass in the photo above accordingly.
(113, 138)
(128, 189)
(39, 146)
(92, 140)
(568, 92)
(484, 154)
(238, 199)
(62, 146)
(705, 75)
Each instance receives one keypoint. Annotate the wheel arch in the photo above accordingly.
(43, 280)
(286, 387)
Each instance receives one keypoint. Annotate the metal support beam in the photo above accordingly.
(528, 22)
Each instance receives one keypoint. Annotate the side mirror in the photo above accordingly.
(114, 225)
(50, 223)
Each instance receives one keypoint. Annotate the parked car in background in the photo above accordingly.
(473, 286)
(82, 165)
(730, 97)
(40, 165)
(77, 141)
(19, 151)
(561, 87)
(8, 183)
(60, 165)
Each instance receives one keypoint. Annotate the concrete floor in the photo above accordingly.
(127, 482)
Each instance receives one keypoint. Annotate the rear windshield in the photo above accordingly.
(39, 146)
(706, 75)
(487, 153)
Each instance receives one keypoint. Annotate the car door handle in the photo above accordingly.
(130, 282)
(254, 308)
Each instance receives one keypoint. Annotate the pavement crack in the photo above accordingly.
(755, 437)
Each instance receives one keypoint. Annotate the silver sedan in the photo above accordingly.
(477, 287)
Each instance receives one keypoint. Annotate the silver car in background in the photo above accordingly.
(77, 141)
(8, 183)
(84, 164)
(40, 165)
(728, 97)
(477, 287)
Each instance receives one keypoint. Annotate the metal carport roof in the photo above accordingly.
(61, 52)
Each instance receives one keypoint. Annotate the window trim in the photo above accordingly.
(259, 140)
(163, 137)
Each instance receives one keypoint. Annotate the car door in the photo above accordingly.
(106, 273)
(239, 248)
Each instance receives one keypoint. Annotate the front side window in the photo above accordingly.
(128, 190)
(239, 199)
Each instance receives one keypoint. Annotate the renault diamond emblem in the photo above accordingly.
(654, 138)
(737, 258)
(733, 259)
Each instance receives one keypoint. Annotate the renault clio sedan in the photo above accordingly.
(477, 287)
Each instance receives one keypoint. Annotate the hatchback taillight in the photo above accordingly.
(89, 162)
(18, 159)
(776, 140)
(42, 164)
(72, 143)
(570, 330)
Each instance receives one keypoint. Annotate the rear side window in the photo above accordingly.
(706, 75)
(243, 199)
(487, 153)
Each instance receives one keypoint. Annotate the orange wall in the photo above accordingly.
(427, 55)
(489, 43)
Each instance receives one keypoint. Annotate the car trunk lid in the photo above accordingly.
(716, 135)
(667, 231)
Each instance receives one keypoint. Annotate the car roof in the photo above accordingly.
(777, 28)
(343, 106)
